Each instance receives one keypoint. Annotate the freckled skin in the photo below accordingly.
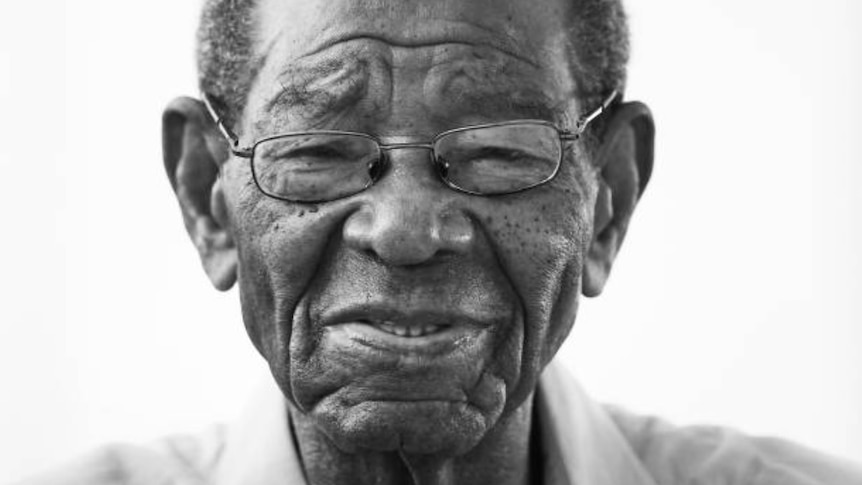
(512, 262)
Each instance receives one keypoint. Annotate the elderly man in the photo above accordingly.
(410, 197)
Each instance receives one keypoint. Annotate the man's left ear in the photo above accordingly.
(624, 158)
(193, 152)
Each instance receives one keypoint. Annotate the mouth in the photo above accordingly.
(410, 330)
(387, 329)
(398, 337)
(383, 352)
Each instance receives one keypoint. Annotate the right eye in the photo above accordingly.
(308, 153)
(314, 166)
(501, 155)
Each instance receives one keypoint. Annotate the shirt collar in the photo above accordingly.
(581, 445)
(580, 442)
(259, 447)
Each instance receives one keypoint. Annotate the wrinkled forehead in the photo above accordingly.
(520, 27)
(501, 49)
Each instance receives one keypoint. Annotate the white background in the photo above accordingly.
(736, 299)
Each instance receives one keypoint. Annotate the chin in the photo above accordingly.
(443, 428)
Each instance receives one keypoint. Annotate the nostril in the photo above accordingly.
(372, 255)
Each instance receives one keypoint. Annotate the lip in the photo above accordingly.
(441, 342)
(359, 324)
(377, 313)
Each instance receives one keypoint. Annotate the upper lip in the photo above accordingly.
(372, 313)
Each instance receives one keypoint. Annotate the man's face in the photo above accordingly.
(410, 315)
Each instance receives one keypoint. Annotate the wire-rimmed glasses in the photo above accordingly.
(488, 159)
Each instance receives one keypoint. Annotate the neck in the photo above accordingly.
(502, 457)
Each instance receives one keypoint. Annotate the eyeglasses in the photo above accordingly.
(488, 159)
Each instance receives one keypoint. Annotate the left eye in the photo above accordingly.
(497, 154)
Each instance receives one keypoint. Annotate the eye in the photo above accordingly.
(494, 156)
(496, 153)
(310, 153)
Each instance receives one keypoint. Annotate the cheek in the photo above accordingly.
(543, 247)
(550, 223)
(572, 221)
(280, 247)
(541, 238)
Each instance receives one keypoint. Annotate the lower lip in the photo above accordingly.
(442, 341)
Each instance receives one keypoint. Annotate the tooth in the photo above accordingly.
(414, 331)
(429, 328)
(400, 331)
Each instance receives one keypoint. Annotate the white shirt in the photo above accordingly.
(583, 443)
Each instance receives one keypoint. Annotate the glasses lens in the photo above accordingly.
(314, 167)
(500, 159)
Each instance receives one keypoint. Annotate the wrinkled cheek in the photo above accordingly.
(268, 299)
(557, 301)
(567, 248)
(546, 280)
(257, 300)
(542, 252)
(563, 312)
(278, 255)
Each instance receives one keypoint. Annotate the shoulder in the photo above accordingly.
(707, 455)
(177, 460)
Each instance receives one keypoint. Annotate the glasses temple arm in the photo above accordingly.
(231, 138)
(586, 120)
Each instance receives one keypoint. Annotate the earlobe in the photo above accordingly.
(192, 156)
(625, 159)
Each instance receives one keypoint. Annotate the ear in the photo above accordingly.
(624, 158)
(193, 152)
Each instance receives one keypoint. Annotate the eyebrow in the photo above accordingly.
(323, 88)
(490, 92)
(523, 103)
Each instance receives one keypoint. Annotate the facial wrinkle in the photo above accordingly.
(313, 93)
(326, 90)
(417, 40)
(387, 22)
(488, 86)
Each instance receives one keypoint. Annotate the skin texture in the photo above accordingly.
(505, 272)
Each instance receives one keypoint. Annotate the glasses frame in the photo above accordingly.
(247, 152)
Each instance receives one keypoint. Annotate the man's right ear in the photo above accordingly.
(193, 150)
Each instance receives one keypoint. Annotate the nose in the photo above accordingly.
(409, 217)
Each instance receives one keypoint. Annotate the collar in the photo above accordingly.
(580, 443)
(258, 447)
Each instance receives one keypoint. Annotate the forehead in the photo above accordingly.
(481, 56)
